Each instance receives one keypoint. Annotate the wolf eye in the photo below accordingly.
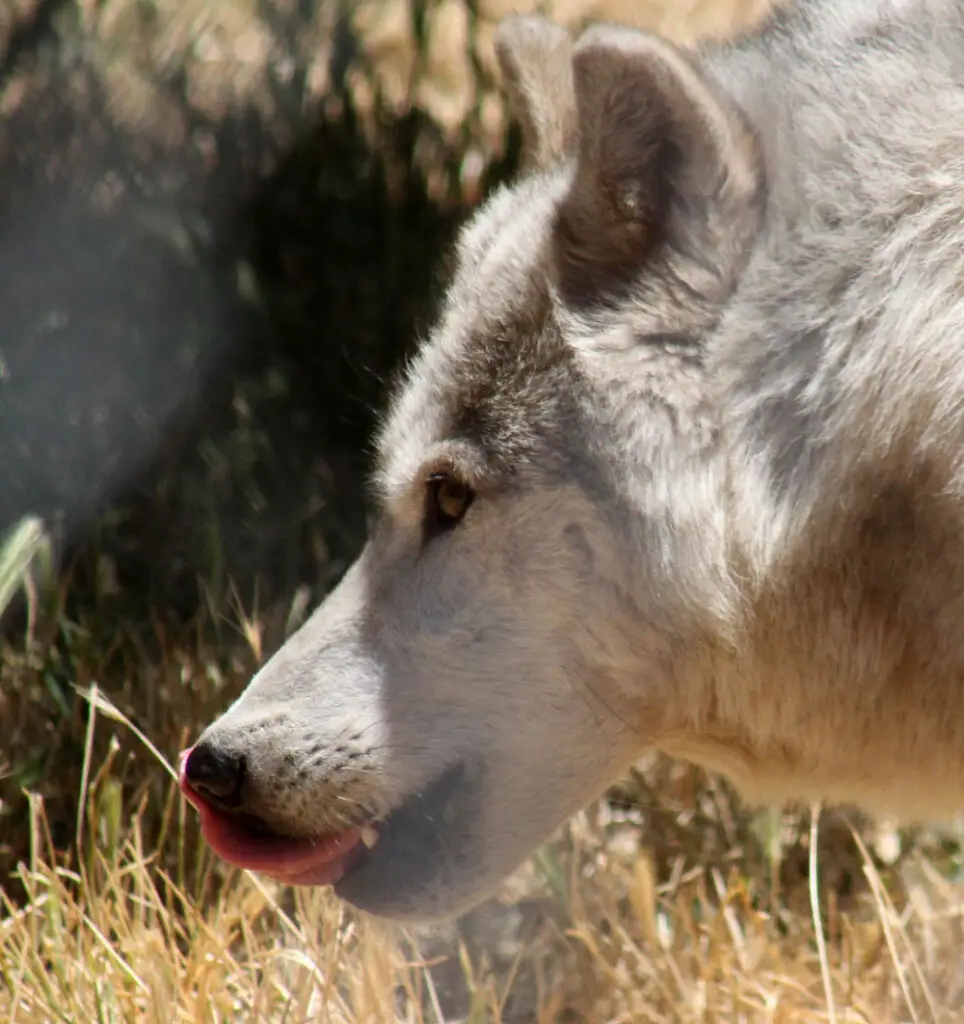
(448, 501)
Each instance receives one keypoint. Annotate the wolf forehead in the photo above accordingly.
(495, 377)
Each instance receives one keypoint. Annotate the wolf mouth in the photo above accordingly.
(327, 859)
(436, 834)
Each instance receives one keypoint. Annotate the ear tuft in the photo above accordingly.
(535, 58)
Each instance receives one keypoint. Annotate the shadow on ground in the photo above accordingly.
(202, 301)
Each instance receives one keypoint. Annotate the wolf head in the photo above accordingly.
(549, 541)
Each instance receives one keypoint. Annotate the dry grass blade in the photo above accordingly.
(888, 917)
(814, 886)
(100, 702)
(25, 544)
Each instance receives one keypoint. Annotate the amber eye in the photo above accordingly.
(448, 501)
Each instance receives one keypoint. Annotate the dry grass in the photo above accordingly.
(666, 910)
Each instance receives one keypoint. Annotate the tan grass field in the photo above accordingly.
(667, 902)
(665, 912)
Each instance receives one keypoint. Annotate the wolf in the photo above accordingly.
(680, 467)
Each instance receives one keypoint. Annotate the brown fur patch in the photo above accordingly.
(515, 380)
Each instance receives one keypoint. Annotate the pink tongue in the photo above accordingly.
(319, 861)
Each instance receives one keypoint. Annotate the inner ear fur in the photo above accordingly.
(663, 165)
(535, 59)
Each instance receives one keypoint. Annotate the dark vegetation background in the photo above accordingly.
(210, 260)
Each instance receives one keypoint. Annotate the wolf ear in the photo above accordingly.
(663, 164)
(535, 58)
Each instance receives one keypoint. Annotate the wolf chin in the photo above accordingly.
(681, 466)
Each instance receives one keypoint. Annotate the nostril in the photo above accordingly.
(216, 774)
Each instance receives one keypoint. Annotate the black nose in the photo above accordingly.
(215, 774)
